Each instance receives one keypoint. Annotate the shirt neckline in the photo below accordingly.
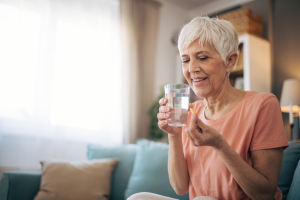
(221, 119)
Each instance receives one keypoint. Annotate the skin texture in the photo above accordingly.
(259, 182)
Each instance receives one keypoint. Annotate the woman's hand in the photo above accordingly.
(177, 165)
(163, 118)
(201, 134)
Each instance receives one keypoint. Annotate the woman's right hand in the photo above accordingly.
(163, 118)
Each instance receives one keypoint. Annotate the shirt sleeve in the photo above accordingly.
(269, 130)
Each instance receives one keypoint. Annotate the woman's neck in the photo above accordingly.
(222, 102)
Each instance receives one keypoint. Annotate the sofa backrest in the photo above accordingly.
(126, 155)
(289, 181)
(291, 157)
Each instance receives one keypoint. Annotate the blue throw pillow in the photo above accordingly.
(125, 154)
(150, 171)
(295, 186)
(291, 157)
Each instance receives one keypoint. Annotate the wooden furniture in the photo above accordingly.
(244, 21)
(254, 64)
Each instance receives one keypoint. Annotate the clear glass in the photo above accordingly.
(178, 96)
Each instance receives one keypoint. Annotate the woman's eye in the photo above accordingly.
(203, 58)
(185, 61)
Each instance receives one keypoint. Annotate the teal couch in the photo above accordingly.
(143, 167)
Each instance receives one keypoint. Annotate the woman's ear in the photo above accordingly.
(231, 60)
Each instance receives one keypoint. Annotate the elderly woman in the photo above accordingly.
(233, 145)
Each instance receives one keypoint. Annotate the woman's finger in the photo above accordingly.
(195, 128)
(193, 122)
(196, 122)
(163, 116)
(200, 123)
(163, 101)
(165, 109)
(163, 124)
(188, 134)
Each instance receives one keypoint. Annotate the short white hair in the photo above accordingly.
(220, 34)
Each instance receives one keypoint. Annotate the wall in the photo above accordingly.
(260, 7)
(286, 42)
(286, 46)
(172, 18)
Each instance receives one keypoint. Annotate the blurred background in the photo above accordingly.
(83, 72)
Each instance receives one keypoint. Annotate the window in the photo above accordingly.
(60, 71)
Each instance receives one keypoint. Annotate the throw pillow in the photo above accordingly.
(291, 157)
(90, 180)
(125, 154)
(150, 171)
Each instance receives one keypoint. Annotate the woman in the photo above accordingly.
(232, 148)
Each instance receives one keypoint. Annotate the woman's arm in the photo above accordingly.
(259, 182)
(177, 166)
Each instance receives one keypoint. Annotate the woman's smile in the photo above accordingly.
(197, 81)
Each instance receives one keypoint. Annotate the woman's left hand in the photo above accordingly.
(201, 134)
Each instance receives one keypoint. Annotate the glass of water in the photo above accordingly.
(178, 96)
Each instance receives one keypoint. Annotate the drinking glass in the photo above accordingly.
(178, 96)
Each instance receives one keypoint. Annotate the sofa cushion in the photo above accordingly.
(295, 186)
(19, 185)
(65, 180)
(125, 154)
(150, 171)
(4, 182)
(291, 157)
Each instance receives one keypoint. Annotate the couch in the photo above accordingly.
(143, 167)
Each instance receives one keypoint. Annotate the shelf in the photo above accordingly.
(253, 69)
(236, 73)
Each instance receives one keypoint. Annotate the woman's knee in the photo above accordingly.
(141, 196)
(148, 196)
(205, 198)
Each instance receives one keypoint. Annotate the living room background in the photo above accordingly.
(14, 148)
(60, 79)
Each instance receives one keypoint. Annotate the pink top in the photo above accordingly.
(254, 123)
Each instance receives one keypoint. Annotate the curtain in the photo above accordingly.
(60, 79)
(139, 24)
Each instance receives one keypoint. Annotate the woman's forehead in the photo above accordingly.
(196, 47)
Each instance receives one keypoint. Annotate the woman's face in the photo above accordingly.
(204, 69)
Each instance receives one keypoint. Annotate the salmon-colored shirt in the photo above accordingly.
(255, 123)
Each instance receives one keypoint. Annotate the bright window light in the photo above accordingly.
(60, 71)
(87, 78)
(19, 39)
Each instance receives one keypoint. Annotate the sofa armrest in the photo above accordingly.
(19, 185)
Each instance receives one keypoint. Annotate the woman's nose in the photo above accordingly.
(194, 66)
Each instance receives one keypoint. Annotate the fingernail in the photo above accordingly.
(168, 115)
(166, 121)
(169, 109)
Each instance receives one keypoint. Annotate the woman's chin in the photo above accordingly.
(200, 93)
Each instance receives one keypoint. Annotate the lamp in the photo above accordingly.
(290, 102)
